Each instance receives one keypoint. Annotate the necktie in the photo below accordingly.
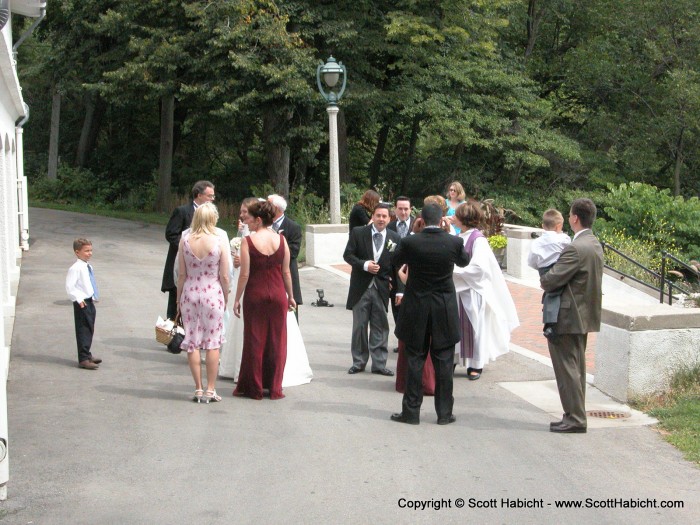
(276, 226)
(377, 241)
(93, 282)
(402, 229)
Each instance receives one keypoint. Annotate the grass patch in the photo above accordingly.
(149, 217)
(678, 412)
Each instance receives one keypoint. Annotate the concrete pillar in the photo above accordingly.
(519, 240)
(325, 243)
(334, 164)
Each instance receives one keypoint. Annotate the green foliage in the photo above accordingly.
(646, 213)
(678, 411)
(81, 186)
(644, 251)
(497, 241)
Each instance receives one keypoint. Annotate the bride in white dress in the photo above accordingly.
(297, 370)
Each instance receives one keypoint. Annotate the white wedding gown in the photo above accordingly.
(297, 370)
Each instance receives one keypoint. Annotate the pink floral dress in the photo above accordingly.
(202, 301)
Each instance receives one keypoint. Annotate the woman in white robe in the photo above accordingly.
(297, 370)
(487, 311)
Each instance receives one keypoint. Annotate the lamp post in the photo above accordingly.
(330, 74)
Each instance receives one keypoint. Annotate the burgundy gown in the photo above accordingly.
(402, 372)
(264, 326)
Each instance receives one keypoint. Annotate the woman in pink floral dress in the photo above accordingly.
(202, 294)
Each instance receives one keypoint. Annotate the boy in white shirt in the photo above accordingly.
(82, 289)
(544, 252)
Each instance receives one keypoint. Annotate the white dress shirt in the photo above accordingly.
(546, 249)
(78, 283)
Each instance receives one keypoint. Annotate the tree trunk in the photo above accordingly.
(534, 17)
(411, 157)
(678, 165)
(165, 163)
(343, 157)
(94, 111)
(53, 137)
(276, 151)
(375, 166)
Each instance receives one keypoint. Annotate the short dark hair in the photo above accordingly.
(80, 242)
(264, 210)
(199, 187)
(383, 205)
(585, 210)
(402, 198)
(432, 214)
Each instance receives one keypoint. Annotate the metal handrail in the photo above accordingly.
(665, 255)
(659, 277)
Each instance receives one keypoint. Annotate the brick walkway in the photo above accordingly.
(529, 334)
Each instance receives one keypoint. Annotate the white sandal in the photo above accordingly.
(198, 395)
(211, 397)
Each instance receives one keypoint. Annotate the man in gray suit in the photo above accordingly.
(580, 271)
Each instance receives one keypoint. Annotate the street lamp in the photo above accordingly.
(331, 72)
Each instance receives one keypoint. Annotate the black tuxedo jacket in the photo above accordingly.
(180, 220)
(357, 252)
(292, 232)
(430, 293)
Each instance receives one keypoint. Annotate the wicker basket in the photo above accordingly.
(164, 336)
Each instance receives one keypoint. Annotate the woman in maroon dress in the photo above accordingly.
(267, 282)
(402, 361)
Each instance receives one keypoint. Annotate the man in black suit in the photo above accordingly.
(401, 225)
(180, 220)
(291, 231)
(429, 320)
(368, 252)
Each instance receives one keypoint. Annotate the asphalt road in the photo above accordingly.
(124, 444)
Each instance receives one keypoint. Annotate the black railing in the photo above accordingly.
(655, 277)
(671, 284)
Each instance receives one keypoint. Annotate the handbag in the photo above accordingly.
(170, 338)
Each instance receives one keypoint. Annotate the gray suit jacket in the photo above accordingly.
(580, 271)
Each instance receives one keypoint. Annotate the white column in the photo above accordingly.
(22, 195)
(334, 164)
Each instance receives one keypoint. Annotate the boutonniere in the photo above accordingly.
(390, 245)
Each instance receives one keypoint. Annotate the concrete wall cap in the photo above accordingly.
(326, 228)
(639, 317)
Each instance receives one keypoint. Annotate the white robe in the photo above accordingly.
(484, 295)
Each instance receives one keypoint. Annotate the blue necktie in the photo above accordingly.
(93, 282)
(402, 229)
(377, 241)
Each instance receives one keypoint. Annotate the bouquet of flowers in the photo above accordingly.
(236, 245)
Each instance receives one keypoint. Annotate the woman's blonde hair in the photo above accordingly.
(459, 190)
(205, 218)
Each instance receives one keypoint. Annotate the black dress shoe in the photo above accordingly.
(474, 374)
(355, 369)
(400, 418)
(96, 360)
(565, 428)
(446, 420)
(556, 423)
(383, 371)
